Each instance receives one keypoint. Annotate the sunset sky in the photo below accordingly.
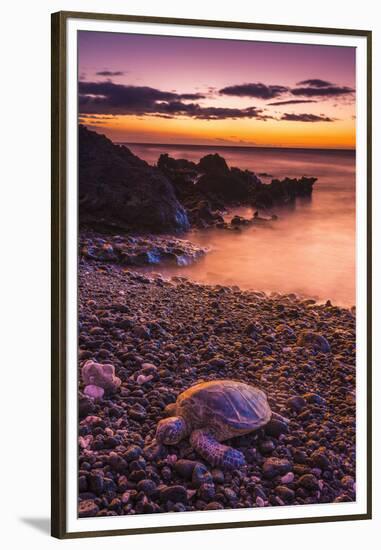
(154, 89)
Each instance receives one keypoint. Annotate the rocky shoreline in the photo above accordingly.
(144, 339)
(161, 336)
(138, 250)
(119, 192)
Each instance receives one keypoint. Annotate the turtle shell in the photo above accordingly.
(240, 407)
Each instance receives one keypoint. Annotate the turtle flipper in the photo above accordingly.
(215, 453)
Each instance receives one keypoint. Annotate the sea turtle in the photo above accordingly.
(210, 412)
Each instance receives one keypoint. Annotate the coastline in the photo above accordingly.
(156, 336)
(163, 336)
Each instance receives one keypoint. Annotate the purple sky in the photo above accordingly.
(206, 66)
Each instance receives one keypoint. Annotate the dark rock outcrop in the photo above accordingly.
(213, 183)
(166, 162)
(213, 165)
(228, 185)
(118, 189)
(230, 188)
(284, 192)
(202, 215)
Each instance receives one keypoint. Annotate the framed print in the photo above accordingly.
(211, 300)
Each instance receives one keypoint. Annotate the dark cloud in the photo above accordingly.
(315, 82)
(319, 91)
(293, 101)
(194, 110)
(110, 99)
(191, 96)
(306, 118)
(110, 73)
(98, 117)
(254, 89)
(313, 87)
(118, 99)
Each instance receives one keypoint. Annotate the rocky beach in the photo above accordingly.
(145, 337)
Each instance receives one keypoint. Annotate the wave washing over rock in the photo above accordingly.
(139, 251)
(209, 187)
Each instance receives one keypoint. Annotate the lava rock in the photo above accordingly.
(273, 467)
(132, 452)
(214, 506)
(320, 459)
(312, 339)
(296, 403)
(266, 447)
(285, 493)
(136, 195)
(276, 427)
(185, 468)
(201, 475)
(147, 486)
(174, 493)
(87, 509)
(309, 481)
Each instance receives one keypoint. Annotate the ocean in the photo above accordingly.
(309, 250)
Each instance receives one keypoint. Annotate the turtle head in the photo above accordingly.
(171, 430)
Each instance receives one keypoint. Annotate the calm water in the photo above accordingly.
(310, 250)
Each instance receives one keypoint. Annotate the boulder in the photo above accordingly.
(213, 164)
(118, 189)
(274, 466)
(229, 187)
(312, 339)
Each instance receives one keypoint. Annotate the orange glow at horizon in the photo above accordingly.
(245, 132)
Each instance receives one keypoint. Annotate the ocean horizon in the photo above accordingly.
(231, 146)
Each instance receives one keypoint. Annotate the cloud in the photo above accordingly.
(194, 110)
(109, 99)
(191, 96)
(254, 89)
(306, 118)
(118, 99)
(121, 95)
(110, 73)
(315, 87)
(316, 82)
(101, 116)
(293, 101)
